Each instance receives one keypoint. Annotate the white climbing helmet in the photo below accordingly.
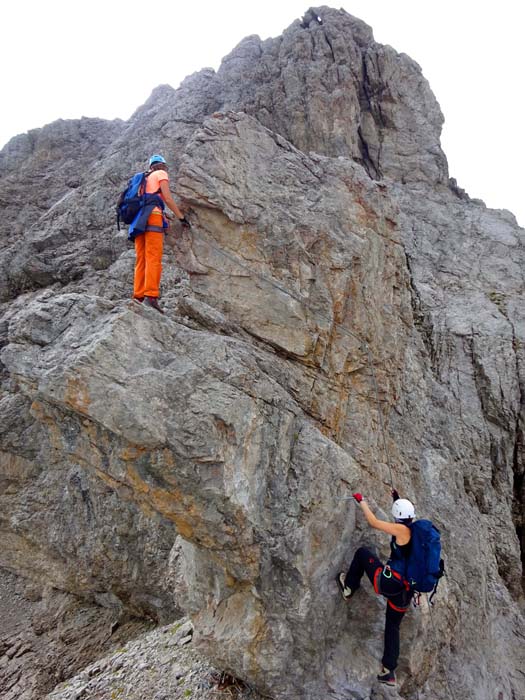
(403, 509)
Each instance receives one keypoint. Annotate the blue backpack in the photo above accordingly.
(424, 567)
(131, 199)
(135, 205)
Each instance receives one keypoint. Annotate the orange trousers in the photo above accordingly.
(148, 264)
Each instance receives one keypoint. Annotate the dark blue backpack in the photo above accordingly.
(423, 567)
(131, 199)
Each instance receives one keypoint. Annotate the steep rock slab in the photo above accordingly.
(204, 428)
(306, 259)
(215, 440)
(60, 523)
(312, 236)
(224, 208)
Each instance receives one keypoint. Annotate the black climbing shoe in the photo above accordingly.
(152, 301)
(346, 592)
(387, 677)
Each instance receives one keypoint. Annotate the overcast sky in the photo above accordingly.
(71, 59)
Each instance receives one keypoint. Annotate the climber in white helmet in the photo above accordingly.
(384, 578)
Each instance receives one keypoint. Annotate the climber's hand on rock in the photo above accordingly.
(395, 495)
(358, 497)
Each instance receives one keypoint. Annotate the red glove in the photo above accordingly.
(358, 497)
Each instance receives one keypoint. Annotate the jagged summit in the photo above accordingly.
(197, 462)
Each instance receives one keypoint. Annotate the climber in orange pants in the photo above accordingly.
(149, 245)
(148, 265)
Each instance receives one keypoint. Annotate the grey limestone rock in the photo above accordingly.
(47, 635)
(330, 88)
(154, 665)
(339, 315)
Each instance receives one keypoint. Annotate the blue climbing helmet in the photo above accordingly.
(156, 159)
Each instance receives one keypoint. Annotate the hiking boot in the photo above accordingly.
(387, 677)
(346, 592)
(153, 302)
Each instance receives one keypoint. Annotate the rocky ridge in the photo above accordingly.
(48, 635)
(334, 281)
(160, 665)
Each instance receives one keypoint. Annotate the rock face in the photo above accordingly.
(47, 635)
(158, 665)
(340, 314)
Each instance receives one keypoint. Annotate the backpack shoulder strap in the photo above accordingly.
(142, 188)
(441, 574)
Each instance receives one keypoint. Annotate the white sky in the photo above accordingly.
(71, 59)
